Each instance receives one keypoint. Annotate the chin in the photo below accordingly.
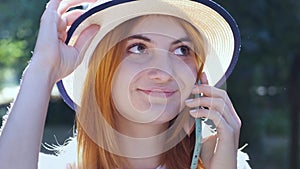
(166, 117)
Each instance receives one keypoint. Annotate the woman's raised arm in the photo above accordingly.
(52, 60)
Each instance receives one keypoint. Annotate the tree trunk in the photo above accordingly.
(294, 94)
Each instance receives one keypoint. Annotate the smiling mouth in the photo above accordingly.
(165, 93)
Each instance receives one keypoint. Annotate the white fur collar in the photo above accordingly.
(65, 157)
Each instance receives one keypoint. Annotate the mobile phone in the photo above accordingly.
(198, 141)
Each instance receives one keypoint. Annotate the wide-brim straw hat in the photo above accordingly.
(214, 23)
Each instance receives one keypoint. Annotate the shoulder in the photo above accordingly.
(64, 157)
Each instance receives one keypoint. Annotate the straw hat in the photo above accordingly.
(212, 21)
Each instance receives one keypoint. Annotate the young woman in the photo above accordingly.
(134, 66)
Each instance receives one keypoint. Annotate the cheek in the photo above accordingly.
(193, 65)
(119, 94)
(123, 81)
(186, 74)
(120, 82)
(126, 72)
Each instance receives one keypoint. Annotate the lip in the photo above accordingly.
(158, 92)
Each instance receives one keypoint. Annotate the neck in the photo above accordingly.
(140, 142)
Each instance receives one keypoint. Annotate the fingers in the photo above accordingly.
(210, 91)
(219, 112)
(84, 39)
(66, 21)
(203, 78)
(67, 4)
(216, 104)
(52, 18)
(213, 92)
(221, 124)
(50, 14)
(52, 5)
(86, 35)
(220, 109)
(71, 16)
(48, 26)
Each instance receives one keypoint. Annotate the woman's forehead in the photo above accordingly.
(158, 25)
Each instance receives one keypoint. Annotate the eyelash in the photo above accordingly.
(183, 46)
(145, 48)
(135, 45)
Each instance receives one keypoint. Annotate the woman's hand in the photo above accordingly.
(51, 55)
(218, 151)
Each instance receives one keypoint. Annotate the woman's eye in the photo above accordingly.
(137, 48)
(182, 51)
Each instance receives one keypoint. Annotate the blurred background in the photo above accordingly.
(264, 86)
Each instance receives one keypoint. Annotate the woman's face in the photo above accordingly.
(157, 72)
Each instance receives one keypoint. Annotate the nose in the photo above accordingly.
(161, 69)
(159, 76)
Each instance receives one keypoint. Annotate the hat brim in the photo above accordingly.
(212, 21)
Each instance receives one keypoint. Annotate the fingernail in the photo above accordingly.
(189, 100)
(193, 111)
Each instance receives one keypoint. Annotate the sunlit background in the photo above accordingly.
(264, 87)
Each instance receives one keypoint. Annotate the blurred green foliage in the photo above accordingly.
(18, 29)
(10, 51)
(258, 86)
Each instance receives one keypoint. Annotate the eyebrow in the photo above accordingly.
(141, 37)
(181, 40)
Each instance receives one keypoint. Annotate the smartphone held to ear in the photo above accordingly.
(198, 141)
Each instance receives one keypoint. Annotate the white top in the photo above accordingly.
(66, 157)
